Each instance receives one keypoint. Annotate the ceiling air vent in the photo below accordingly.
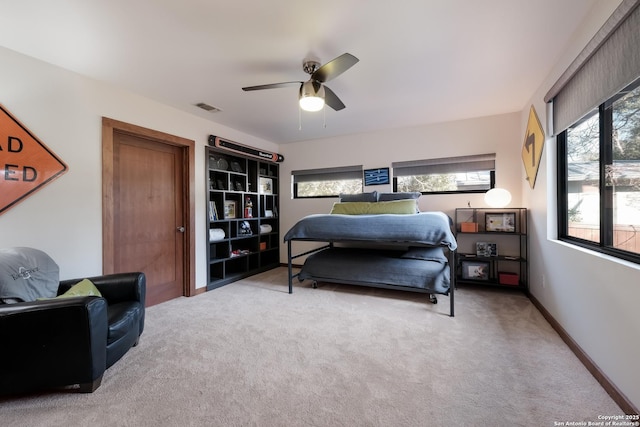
(208, 107)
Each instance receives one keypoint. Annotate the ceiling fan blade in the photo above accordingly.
(334, 68)
(271, 86)
(332, 100)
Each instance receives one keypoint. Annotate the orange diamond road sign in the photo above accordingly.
(532, 147)
(26, 164)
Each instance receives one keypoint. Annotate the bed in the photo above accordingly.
(405, 251)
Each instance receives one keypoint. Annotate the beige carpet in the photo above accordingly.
(249, 354)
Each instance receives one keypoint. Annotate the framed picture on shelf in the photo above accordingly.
(229, 209)
(500, 221)
(486, 249)
(475, 270)
(266, 185)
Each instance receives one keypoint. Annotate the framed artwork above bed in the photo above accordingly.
(378, 176)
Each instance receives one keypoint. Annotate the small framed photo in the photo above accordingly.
(229, 209)
(501, 221)
(376, 176)
(268, 213)
(486, 249)
(475, 270)
(266, 185)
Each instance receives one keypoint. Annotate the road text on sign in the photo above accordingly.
(26, 164)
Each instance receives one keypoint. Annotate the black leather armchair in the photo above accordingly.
(70, 341)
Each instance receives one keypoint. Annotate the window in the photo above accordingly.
(599, 177)
(598, 133)
(329, 182)
(463, 174)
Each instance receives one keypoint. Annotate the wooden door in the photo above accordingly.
(150, 219)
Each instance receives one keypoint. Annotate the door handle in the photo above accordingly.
(180, 229)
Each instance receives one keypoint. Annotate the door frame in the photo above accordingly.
(109, 128)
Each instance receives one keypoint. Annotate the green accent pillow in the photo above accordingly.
(82, 288)
(375, 208)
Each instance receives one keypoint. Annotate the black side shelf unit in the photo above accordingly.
(242, 216)
(492, 247)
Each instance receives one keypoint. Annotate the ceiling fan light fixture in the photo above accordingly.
(311, 99)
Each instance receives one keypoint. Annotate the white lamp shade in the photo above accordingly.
(497, 197)
(310, 99)
(311, 103)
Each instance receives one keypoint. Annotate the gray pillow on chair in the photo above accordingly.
(27, 274)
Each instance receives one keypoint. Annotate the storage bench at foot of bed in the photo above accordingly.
(378, 268)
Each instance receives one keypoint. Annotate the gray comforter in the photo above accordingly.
(428, 228)
(377, 268)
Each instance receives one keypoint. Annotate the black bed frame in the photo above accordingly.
(450, 258)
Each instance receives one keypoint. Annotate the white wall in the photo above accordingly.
(65, 110)
(494, 134)
(594, 297)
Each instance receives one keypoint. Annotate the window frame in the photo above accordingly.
(606, 194)
(328, 172)
(448, 165)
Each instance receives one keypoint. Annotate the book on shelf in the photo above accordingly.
(213, 213)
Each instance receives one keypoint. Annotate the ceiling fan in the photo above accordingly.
(313, 93)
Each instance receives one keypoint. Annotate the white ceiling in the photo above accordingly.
(421, 61)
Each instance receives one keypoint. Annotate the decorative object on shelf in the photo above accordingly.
(263, 246)
(486, 249)
(532, 147)
(497, 197)
(502, 221)
(265, 228)
(225, 144)
(239, 186)
(213, 212)
(248, 208)
(245, 228)
(220, 185)
(266, 185)
(235, 166)
(222, 164)
(216, 234)
(469, 227)
(229, 209)
(268, 213)
(378, 176)
(475, 270)
(212, 184)
(507, 278)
